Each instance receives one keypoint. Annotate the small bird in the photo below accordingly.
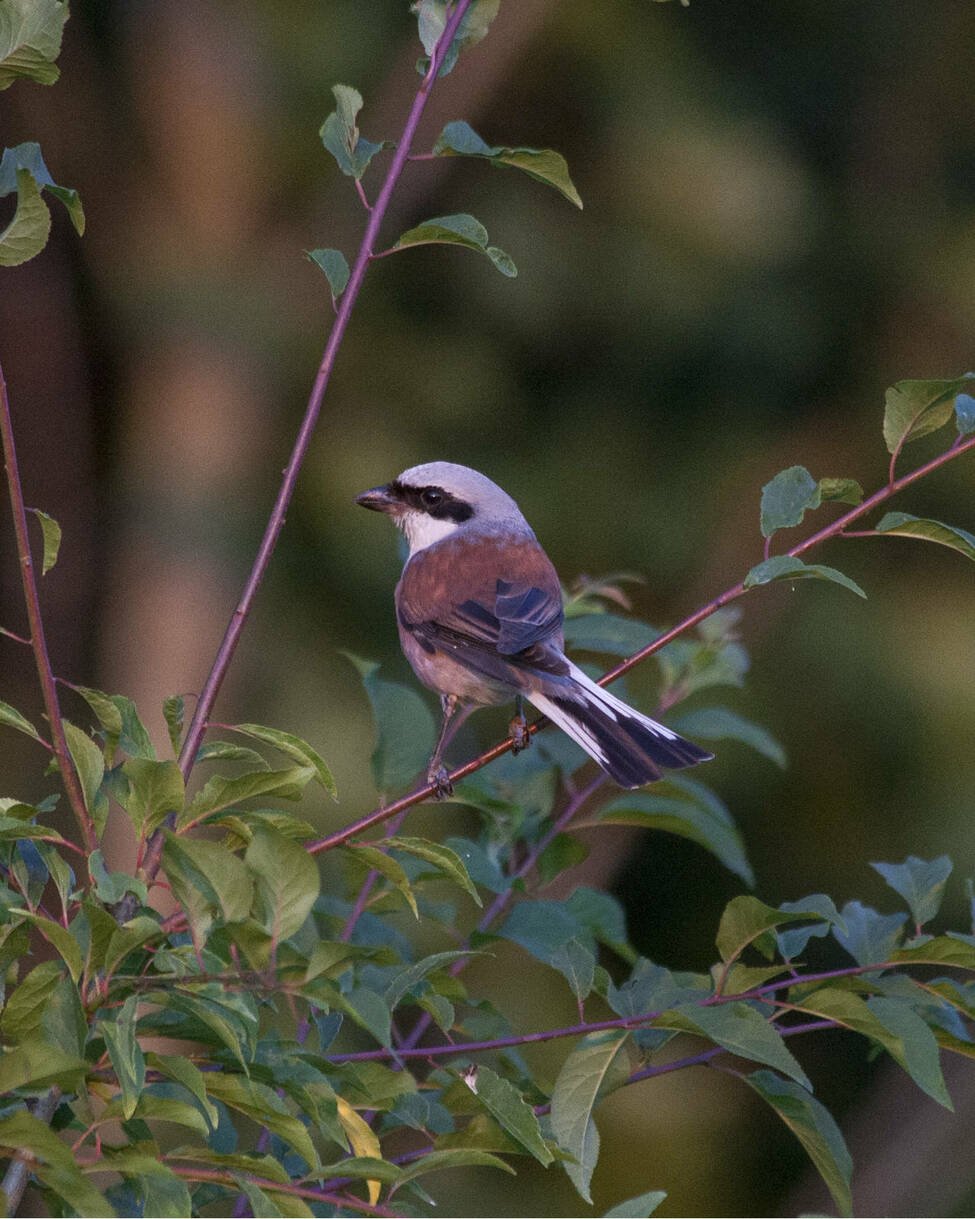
(479, 610)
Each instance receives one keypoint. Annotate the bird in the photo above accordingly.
(479, 613)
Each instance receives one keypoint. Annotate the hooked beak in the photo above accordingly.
(379, 499)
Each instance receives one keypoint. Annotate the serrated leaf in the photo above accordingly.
(30, 40)
(295, 748)
(264, 1106)
(902, 524)
(840, 490)
(920, 882)
(787, 498)
(441, 857)
(10, 717)
(689, 811)
(460, 229)
(405, 731)
(59, 938)
(597, 1065)
(222, 792)
(640, 1207)
(914, 408)
(335, 268)
(785, 567)
(461, 140)
(813, 1125)
(51, 533)
(90, 765)
(739, 1029)
(126, 1054)
(27, 233)
(723, 724)
(509, 1109)
(155, 789)
(340, 134)
(286, 882)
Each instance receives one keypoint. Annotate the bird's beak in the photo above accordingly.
(379, 499)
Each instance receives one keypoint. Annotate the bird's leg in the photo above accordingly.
(518, 727)
(437, 773)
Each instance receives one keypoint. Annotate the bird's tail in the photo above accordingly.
(630, 747)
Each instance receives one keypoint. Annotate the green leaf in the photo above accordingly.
(224, 751)
(508, 1108)
(595, 1067)
(105, 709)
(45, 1007)
(206, 880)
(639, 1207)
(54, 1163)
(111, 887)
(840, 490)
(915, 408)
(738, 1028)
(61, 939)
(965, 414)
(173, 711)
(126, 1054)
(234, 1026)
(30, 40)
(262, 1104)
(688, 810)
(222, 792)
(341, 137)
(10, 717)
(723, 724)
(462, 230)
(565, 851)
(128, 938)
(38, 1064)
(745, 921)
(408, 978)
(405, 731)
(787, 498)
(942, 950)
(814, 1127)
(155, 789)
(870, 938)
(27, 233)
(295, 748)
(90, 765)
(785, 567)
(609, 634)
(459, 139)
(51, 532)
(134, 739)
(442, 858)
(335, 267)
(432, 19)
(902, 524)
(386, 866)
(286, 882)
(160, 1191)
(920, 882)
(459, 1157)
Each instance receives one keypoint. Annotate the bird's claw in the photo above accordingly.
(521, 738)
(439, 779)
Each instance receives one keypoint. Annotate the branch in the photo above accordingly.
(834, 529)
(275, 523)
(18, 1172)
(69, 776)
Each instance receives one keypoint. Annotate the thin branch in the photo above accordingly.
(275, 523)
(18, 1172)
(834, 529)
(69, 776)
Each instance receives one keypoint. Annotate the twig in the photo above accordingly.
(834, 529)
(276, 520)
(69, 776)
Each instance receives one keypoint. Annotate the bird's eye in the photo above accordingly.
(431, 498)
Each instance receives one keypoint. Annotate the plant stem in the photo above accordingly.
(275, 523)
(69, 776)
(834, 529)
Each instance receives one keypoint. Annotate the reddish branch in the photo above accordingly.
(69, 775)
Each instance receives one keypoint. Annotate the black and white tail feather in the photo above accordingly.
(632, 748)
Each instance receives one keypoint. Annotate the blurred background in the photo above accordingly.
(779, 223)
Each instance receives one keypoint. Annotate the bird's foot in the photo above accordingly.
(439, 779)
(521, 738)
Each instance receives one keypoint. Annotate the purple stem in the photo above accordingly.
(276, 520)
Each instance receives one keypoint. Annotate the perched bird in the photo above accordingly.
(479, 609)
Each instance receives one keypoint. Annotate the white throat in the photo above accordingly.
(422, 530)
